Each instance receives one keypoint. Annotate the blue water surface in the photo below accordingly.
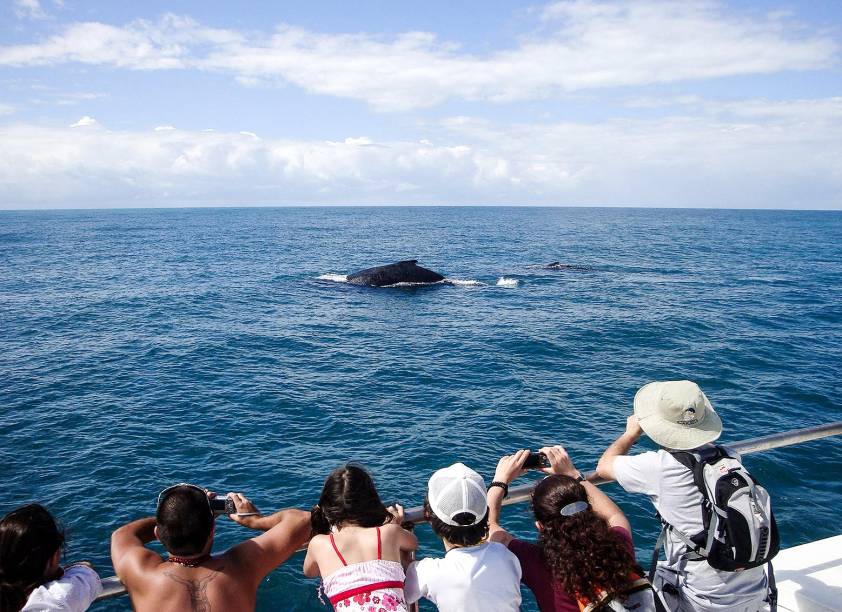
(139, 348)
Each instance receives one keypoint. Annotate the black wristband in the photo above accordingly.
(581, 477)
(502, 485)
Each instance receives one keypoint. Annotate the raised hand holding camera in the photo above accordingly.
(511, 466)
(559, 462)
(244, 511)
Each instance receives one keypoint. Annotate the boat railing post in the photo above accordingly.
(112, 587)
(413, 607)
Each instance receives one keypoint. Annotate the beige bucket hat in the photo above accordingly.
(676, 414)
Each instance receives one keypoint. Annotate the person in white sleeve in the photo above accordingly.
(475, 575)
(31, 578)
(678, 416)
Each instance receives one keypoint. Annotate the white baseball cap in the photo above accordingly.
(456, 490)
(676, 414)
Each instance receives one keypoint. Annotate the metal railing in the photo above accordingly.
(112, 587)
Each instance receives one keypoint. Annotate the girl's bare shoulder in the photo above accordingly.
(318, 541)
(391, 530)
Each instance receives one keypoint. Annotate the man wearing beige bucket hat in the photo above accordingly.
(677, 415)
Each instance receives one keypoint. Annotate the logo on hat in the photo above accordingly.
(689, 417)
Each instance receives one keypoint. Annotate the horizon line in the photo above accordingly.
(332, 206)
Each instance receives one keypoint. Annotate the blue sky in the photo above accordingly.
(584, 102)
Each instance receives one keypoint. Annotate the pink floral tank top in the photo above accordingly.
(369, 586)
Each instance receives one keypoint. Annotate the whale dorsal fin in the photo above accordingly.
(409, 261)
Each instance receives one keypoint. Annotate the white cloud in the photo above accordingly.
(142, 45)
(583, 45)
(741, 153)
(30, 9)
(84, 122)
(6, 109)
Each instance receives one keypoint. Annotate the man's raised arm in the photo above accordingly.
(620, 446)
(128, 551)
(285, 532)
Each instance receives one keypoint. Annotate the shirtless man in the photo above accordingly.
(190, 578)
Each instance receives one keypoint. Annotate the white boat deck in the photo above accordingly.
(809, 577)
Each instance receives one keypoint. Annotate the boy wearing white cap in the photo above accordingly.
(475, 575)
(676, 415)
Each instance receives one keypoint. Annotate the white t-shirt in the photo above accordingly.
(482, 578)
(671, 489)
(73, 592)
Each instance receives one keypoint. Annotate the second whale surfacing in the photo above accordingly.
(557, 265)
(406, 271)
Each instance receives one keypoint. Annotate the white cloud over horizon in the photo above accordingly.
(578, 102)
(753, 153)
(583, 45)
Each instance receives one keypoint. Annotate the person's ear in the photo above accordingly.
(209, 543)
(55, 559)
(539, 526)
(155, 531)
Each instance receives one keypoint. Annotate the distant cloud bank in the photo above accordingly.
(750, 154)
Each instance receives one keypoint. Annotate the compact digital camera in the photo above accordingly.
(536, 461)
(222, 505)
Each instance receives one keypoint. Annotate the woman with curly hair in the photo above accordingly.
(584, 555)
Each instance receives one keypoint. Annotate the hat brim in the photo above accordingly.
(672, 435)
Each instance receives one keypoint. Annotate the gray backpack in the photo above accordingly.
(738, 527)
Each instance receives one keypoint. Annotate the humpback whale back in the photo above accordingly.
(406, 271)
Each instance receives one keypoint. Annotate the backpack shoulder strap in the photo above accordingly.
(657, 552)
(638, 583)
(773, 588)
(692, 459)
(686, 458)
(696, 461)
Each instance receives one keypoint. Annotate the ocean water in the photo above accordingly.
(140, 348)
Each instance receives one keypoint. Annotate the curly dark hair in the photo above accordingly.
(584, 555)
(349, 496)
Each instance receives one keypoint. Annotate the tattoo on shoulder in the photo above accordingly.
(196, 589)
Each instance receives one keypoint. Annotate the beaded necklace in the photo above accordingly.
(189, 561)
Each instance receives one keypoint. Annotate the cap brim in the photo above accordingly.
(671, 435)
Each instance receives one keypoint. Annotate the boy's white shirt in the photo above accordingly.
(482, 578)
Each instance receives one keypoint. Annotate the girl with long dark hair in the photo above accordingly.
(31, 544)
(584, 552)
(360, 549)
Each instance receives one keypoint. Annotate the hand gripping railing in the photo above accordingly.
(112, 587)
